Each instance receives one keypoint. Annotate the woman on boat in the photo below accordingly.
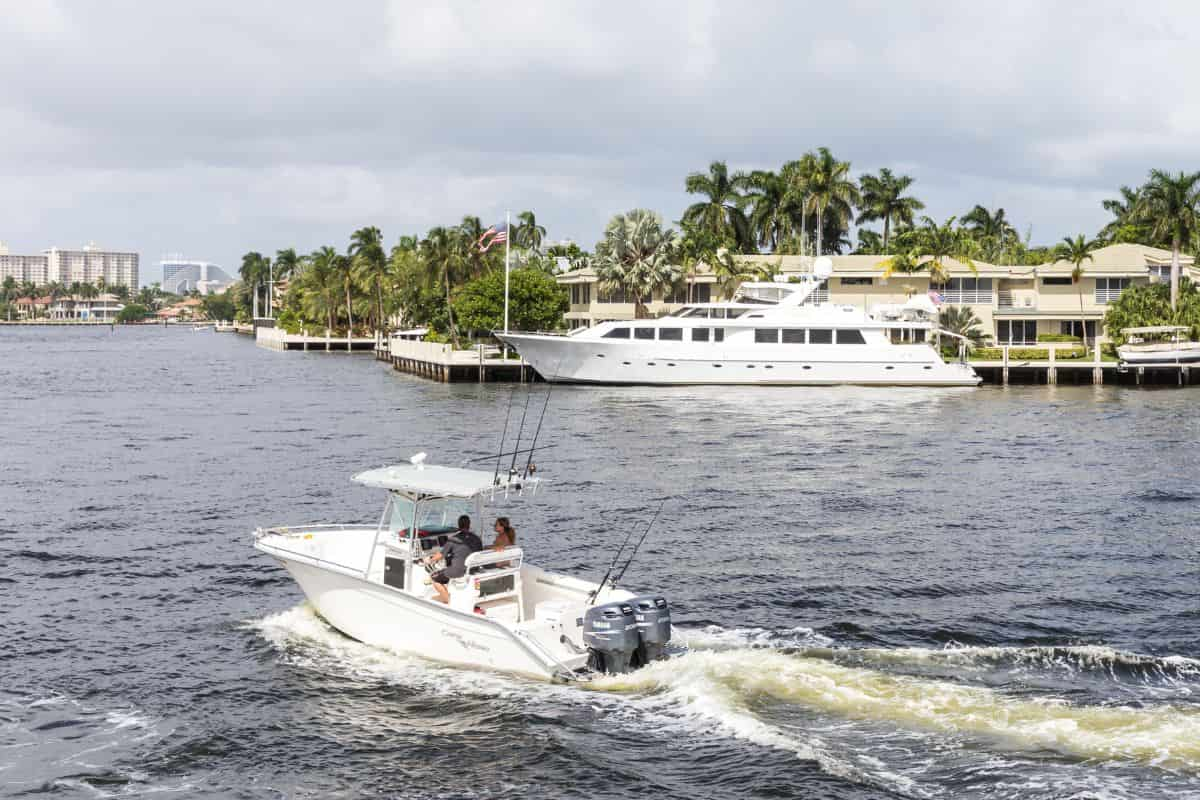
(506, 535)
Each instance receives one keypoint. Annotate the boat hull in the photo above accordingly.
(382, 617)
(1179, 355)
(565, 359)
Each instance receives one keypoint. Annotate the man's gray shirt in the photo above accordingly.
(455, 552)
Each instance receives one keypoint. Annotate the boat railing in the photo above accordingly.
(303, 530)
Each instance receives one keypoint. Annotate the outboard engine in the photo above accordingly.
(653, 617)
(611, 634)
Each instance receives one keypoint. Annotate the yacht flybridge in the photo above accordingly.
(371, 582)
(769, 333)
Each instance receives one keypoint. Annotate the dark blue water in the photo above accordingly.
(882, 593)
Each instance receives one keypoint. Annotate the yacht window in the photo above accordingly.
(857, 281)
(671, 334)
(702, 292)
(716, 313)
(617, 333)
(718, 334)
(766, 335)
(794, 335)
(699, 334)
(734, 313)
(820, 336)
(850, 337)
(694, 312)
(643, 333)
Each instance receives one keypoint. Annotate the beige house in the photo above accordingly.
(1014, 303)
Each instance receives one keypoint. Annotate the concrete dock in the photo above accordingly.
(441, 362)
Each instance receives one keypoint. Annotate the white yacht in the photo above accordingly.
(371, 582)
(1158, 344)
(769, 333)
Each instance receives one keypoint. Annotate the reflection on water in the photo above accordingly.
(880, 593)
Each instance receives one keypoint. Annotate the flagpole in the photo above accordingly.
(507, 244)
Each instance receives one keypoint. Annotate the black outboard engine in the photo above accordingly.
(653, 617)
(611, 634)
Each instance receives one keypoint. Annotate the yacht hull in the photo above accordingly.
(565, 359)
(382, 617)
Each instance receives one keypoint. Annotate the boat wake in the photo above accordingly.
(869, 722)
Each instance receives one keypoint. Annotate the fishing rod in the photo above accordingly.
(503, 436)
(513, 466)
(522, 451)
(541, 417)
(636, 547)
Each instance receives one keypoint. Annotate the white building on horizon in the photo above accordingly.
(88, 264)
(181, 275)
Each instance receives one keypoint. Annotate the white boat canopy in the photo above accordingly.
(416, 479)
(1156, 329)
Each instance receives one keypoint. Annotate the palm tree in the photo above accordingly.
(962, 320)
(1077, 251)
(371, 265)
(636, 256)
(830, 190)
(883, 198)
(468, 233)
(991, 230)
(1170, 205)
(1124, 211)
(722, 212)
(287, 263)
(253, 270)
(931, 247)
(529, 234)
(442, 255)
(321, 285)
(774, 208)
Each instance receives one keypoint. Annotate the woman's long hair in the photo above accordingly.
(507, 529)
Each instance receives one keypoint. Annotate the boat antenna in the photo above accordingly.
(653, 519)
(529, 465)
(512, 467)
(503, 437)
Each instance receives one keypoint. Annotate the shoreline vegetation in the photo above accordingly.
(450, 283)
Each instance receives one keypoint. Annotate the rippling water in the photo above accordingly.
(879, 593)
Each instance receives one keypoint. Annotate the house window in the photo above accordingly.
(857, 281)
(670, 334)
(1109, 289)
(964, 291)
(766, 335)
(1016, 331)
(699, 334)
(718, 334)
(850, 337)
(614, 296)
(617, 333)
(581, 294)
(794, 335)
(1072, 327)
(677, 295)
(702, 293)
(643, 333)
(820, 336)
(1056, 281)
(1160, 271)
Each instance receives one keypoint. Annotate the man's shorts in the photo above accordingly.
(439, 577)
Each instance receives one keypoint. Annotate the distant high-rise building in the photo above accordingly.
(22, 269)
(181, 275)
(90, 264)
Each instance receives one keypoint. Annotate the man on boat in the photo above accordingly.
(454, 553)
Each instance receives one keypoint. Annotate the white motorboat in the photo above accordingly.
(370, 582)
(1158, 344)
(770, 333)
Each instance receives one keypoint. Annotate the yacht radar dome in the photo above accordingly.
(823, 267)
(418, 460)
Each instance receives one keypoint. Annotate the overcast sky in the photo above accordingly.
(211, 128)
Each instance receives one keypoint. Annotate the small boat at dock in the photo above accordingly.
(1158, 344)
(372, 583)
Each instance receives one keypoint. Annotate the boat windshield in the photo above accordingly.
(438, 516)
(763, 295)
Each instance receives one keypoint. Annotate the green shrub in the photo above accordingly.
(289, 321)
(1028, 354)
(1050, 338)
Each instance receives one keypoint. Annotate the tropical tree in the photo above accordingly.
(993, 234)
(287, 264)
(883, 199)
(320, 286)
(529, 234)
(370, 266)
(1170, 205)
(1148, 304)
(699, 247)
(721, 213)
(636, 256)
(962, 320)
(1124, 226)
(441, 250)
(536, 301)
(774, 208)
(343, 270)
(254, 270)
(830, 191)
(1076, 251)
(931, 247)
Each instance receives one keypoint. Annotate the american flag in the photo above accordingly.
(936, 298)
(497, 234)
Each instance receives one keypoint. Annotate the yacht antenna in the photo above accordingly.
(529, 465)
(653, 519)
(503, 437)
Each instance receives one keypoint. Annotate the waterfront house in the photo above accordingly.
(102, 308)
(32, 307)
(1014, 304)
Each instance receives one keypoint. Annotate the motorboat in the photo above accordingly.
(372, 583)
(770, 333)
(1158, 344)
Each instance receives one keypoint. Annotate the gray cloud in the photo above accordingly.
(211, 129)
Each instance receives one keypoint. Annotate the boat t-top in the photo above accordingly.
(372, 583)
(1158, 344)
(771, 332)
